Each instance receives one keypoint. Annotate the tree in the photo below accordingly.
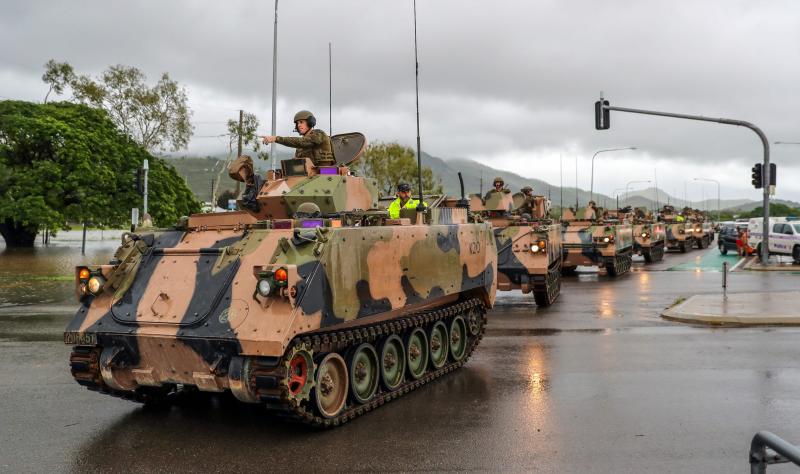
(391, 163)
(63, 162)
(155, 117)
(57, 76)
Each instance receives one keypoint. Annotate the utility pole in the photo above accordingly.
(274, 85)
(330, 90)
(241, 124)
(146, 168)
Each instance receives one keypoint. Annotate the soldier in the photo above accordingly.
(312, 143)
(525, 205)
(403, 201)
(499, 187)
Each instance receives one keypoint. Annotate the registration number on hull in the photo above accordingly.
(76, 338)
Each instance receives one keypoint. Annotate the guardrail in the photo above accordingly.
(768, 448)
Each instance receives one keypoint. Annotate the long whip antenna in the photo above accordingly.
(420, 208)
(330, 90)
(274, 84)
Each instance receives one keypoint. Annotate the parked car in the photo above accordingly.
(784, 236)
(728, 233)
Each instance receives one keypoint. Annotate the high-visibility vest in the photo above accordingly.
(395, 206)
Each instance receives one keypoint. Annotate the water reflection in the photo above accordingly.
(44, 274)
(211, 433)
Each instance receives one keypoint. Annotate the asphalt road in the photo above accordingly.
(596, 383)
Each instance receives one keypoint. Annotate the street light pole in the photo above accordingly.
(634, 182)
(717, 183)
(616, 194)
(591, 184)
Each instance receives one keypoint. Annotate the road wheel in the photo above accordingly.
(458, 338)
(439, 346)
(648, 257)
(682, 247)
(393, 362)
(364, 372)
(417, 353)
(723, 250)
(332, 385)
(568, 271)
(796, 254)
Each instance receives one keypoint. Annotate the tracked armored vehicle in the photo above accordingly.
(678, 230)
(649, 236)
(701, 229)
(308, 300)
(528, 243)
(590, 239)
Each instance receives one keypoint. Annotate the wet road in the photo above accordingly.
(596, 383)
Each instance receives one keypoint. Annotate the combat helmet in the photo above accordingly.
(526, 189)
(498, 179)
(307, 116)
(307, 209)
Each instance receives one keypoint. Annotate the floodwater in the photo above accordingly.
(45, 274)
(596, 383)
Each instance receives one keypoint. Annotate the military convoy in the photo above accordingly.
(590, 238)
(309, 300)
(528, 242)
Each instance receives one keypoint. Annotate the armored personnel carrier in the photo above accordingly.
(589, 239)
(308, 300)
(649, 236)
(679, 231)
(700, 227)
(528, 243)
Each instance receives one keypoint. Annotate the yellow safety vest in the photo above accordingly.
(395, 206)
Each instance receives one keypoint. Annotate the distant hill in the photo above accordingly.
(199, 171)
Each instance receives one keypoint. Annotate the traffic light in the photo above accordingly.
(602, 116)
(140, 181)
(758, 180)
(773, 171)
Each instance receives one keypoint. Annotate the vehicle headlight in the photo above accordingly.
(95, 284)
(606, 239)
(534, 248)
(698, 230)
(644, 234)
(264, 287)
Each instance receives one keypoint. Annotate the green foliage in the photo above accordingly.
(775, 210)
(57, 76)
(391, 163)
(64, 162)
(155, 117)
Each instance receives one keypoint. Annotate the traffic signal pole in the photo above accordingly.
(602, 109)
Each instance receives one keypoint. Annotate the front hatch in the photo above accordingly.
(175, 288)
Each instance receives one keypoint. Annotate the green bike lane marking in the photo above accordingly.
(707, 262)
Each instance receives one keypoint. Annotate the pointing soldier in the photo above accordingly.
(312, 143)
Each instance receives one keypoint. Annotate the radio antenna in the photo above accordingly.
(421, 206)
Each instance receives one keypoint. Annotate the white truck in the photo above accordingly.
(784, 236)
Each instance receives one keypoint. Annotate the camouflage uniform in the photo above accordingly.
(315, 145)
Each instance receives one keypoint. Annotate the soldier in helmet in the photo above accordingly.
(526, 204)
(499, 187)
(312, 143)
(403, 201)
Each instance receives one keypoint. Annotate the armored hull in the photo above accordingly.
(649, 240)
(528, 243)
(587, 242)
(320, 318)
(702, 233)
(679, 236)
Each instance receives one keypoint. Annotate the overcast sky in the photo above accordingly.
(508, 83)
